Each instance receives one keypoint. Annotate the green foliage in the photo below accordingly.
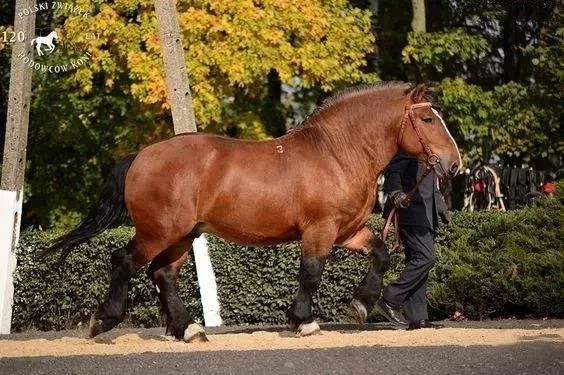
(506, 121)
(490, 264)
(440, 50)
(468, 109)
(501, 85)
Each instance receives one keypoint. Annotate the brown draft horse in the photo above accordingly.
(316, 184)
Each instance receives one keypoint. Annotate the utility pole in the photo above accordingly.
(184, 122)
(175, 67)
(13, 164)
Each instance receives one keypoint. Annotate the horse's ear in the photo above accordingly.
(418, 93)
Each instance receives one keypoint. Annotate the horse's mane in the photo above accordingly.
(359, 90)
(418, 91)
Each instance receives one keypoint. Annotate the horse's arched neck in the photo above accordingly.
(361, 133)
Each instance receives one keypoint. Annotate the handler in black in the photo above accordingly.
(417, 223)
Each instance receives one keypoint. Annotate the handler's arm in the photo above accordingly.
(393, 180)
(393, 174)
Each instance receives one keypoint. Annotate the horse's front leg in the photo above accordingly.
(300, 316)
(312, 262)
(368, 291)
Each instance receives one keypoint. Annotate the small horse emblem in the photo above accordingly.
(45, 40)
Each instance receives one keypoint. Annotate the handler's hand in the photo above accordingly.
(397, 198)
(444, 218)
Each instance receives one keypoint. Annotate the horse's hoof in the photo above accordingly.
(195, 333)
(292, 326)
(308, 329)
(95, 327)
(359, 311)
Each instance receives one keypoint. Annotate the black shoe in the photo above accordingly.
(392, 314)
(418, 324)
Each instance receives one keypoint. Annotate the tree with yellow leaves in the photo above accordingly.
(233, 50)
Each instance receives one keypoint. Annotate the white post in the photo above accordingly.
(207, 283)
(10, 213)
(184, 121)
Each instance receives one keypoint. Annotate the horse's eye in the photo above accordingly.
(428, 120)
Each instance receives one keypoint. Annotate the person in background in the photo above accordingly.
(548, 185)
(417, 223)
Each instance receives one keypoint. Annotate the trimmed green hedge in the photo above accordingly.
(502, 263)
(490, 264)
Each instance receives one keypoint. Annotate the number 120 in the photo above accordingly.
(11, 37)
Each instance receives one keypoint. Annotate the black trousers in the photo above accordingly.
(410, 289)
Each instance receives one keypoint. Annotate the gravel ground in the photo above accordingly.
(488, 347)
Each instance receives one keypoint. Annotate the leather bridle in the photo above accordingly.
(431, 162)
(432, 158)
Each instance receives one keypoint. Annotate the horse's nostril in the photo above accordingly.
(454, 168)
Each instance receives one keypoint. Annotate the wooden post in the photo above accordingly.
(13, 164)
(184, 121)
(175, 67)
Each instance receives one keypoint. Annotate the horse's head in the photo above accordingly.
(54, 34)
(424, 134)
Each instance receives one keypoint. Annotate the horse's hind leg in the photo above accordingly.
(163, 272)
(368, 292)
(112, 311)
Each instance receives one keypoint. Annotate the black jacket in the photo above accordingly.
(427, 204)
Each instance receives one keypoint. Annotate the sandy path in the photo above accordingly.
(140, 341)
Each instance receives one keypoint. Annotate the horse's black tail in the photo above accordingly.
(108, 212)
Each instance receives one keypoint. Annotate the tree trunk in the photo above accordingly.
(272, 113)
(418, 20)
(372, 58)
(175, 67)
(509, 43)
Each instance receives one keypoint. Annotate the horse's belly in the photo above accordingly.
(252, 235)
